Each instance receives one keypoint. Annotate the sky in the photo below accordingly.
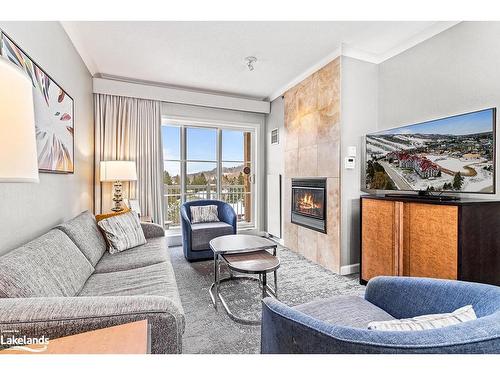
(201, 145)
(476, 122)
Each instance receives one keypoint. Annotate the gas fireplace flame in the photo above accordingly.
(306, 202)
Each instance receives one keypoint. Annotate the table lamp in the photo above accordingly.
(18, 156)
(117, 171)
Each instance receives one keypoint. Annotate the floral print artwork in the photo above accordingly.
(53, 113)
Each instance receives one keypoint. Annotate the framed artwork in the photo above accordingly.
(54, 112)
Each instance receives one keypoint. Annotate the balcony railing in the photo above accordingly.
(235, 195)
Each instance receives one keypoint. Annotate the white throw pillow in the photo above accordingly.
(204, 214)
(423, 322)
(122, 232)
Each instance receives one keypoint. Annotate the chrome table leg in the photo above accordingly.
(264, 285)
(276, 283)
(216, 282)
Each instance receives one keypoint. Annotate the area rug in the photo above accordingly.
(212, 331)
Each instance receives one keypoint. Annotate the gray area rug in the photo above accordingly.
(211, 331)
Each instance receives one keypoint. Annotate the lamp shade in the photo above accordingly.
(118, 170)
(18, 156)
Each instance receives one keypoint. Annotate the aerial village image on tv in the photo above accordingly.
(451, 154)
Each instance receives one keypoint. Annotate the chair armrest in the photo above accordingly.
(152, 230)
(406, 297)
(285, 330)
(63, 316)
(184, 218)
(186, 230)
(227, 215)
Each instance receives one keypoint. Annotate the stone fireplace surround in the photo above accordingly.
(312, 149)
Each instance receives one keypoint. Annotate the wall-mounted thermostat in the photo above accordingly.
(349, 162)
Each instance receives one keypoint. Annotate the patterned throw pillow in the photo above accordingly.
(204, 214)
(423, 322)
(122, 232)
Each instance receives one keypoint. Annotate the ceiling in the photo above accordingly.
(209, 56)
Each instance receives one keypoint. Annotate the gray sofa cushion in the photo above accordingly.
(153, 252)
(202, 233)
(350, 311)
(155, 280)
(84, 232)
(49, 266)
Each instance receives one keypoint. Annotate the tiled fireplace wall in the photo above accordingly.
(312, 149)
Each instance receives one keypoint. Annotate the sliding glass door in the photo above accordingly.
(208, 163)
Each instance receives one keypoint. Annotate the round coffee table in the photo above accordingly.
(245, 254)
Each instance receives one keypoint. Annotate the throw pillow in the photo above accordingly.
(111, 214)
(204, 214)
(122, 232)
(423, 322)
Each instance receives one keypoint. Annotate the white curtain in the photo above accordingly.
(130, 129)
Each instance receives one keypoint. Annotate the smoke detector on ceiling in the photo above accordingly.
(250, 60)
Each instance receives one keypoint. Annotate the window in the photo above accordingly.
(201, 164)
(207, 163)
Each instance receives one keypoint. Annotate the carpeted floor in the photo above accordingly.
(211, 331)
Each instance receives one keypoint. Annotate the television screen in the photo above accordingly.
(453, 154)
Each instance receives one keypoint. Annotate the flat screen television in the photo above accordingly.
(454, 154)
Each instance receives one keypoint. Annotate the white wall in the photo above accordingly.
(275, 164)
(28, 210)
(454, 72)
(359, 83)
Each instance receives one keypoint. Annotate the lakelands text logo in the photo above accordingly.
(14, 341)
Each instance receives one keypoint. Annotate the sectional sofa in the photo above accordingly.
(65, 282)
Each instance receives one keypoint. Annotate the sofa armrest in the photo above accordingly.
(152, 230)
(63, 316)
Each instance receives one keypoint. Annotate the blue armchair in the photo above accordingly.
(195, 237)
(338, 325)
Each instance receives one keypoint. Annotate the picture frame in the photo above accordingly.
(54, 112)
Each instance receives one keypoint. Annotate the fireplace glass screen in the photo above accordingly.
(309, 202)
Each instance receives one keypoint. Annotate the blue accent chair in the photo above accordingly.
(195, 237)
(338, 325)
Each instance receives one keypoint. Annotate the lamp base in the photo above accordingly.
(117, 196)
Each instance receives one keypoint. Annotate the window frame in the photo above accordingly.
(253, 129)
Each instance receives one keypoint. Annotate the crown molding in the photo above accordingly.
(306, 73)
(411, 42)
(346, 50)
(343, 50)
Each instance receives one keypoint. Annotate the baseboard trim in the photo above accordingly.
(350, 268)
(174, 239)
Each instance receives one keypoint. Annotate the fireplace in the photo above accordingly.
(309, 203)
